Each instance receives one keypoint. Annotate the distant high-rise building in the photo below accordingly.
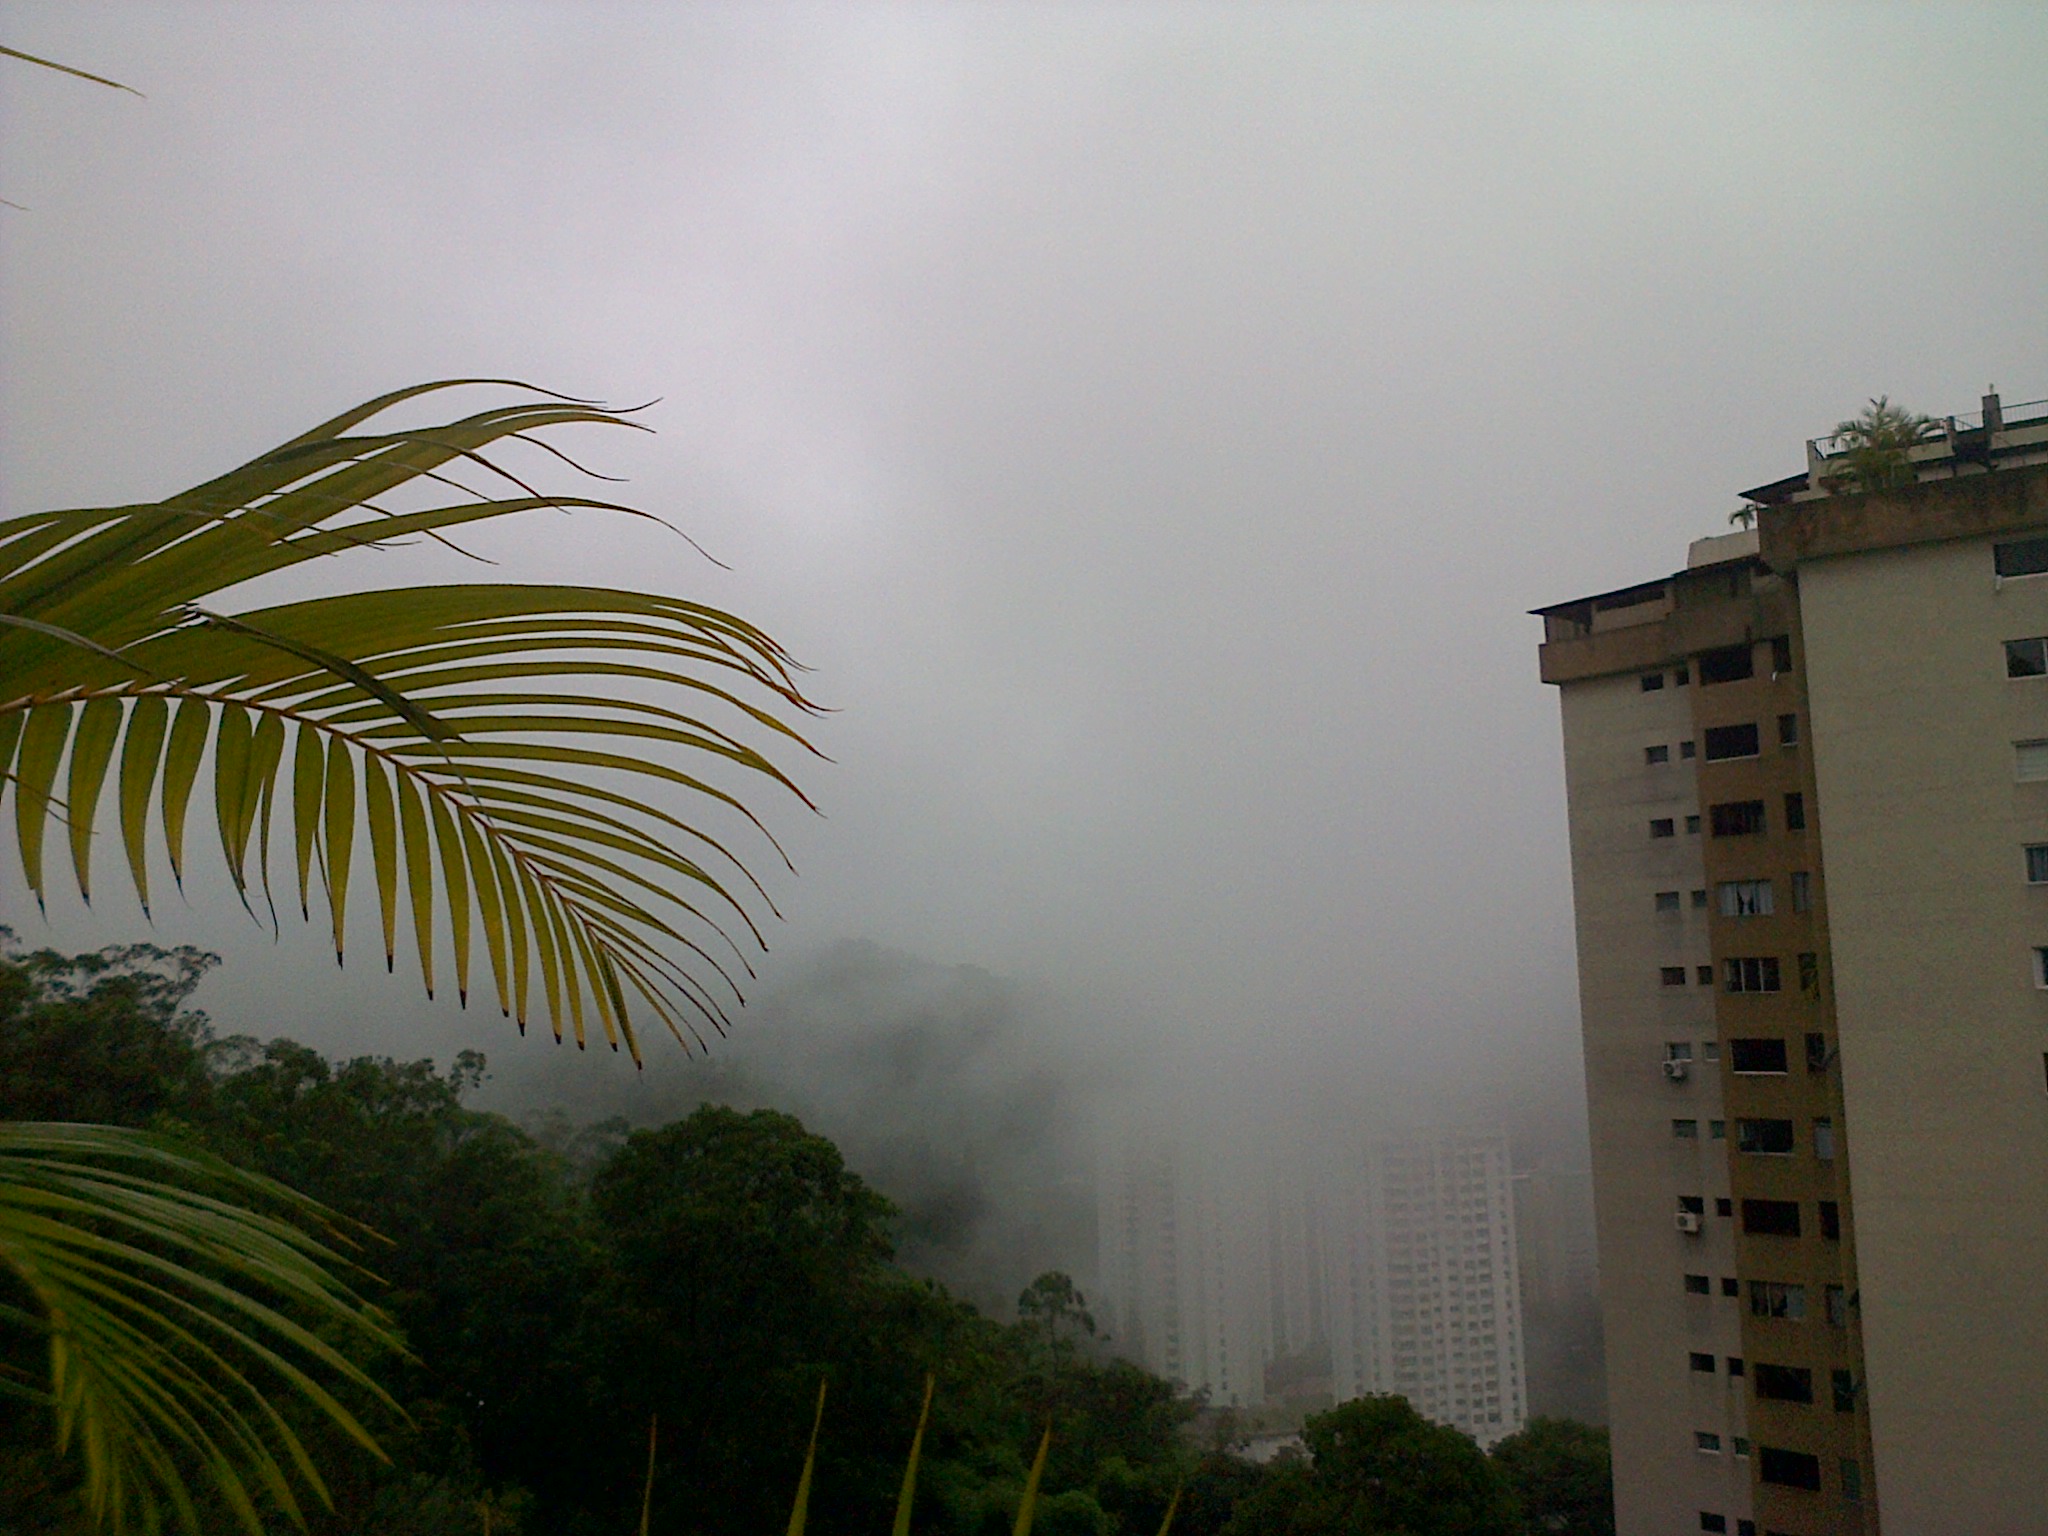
(1808, 804)
(1387, 1268)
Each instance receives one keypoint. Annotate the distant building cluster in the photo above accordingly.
(1391, 1266)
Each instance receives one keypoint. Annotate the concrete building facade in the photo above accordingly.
(1807, 776)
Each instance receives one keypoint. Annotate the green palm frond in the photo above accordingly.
(504, 750)
(173, 1313)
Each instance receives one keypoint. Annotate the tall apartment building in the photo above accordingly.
(1808, 805)
(1387, 1266)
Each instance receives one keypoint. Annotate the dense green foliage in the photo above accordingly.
(1562, 1477)
(710, 1272)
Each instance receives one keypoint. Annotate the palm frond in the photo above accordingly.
(174, 1309)
(509, 751)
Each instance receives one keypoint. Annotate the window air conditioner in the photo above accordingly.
(1677, 1070)
(1689, 1221)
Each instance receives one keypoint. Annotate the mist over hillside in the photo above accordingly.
(958, 1094)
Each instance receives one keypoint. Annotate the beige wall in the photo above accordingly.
(1655, 1402)
(1941, 1027)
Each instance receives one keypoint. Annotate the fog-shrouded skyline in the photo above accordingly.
(1151, 423)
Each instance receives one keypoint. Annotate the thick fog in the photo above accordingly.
(1152, 423)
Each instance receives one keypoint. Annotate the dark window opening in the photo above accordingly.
(1730, 664)
(2026, 658)
(1666, 901)
(1835, 1306)
(1700, 1362)
(1730, 1286)
(1699, 895)
(1788, 730)
(1672, 975)
(1788, 1469)
(1687, 748)
(1681, 677)
(1816, 1053)
(1706, 975)
(1655, 755)
(1770, 1218)
(1776, 1299)
(1735, 1365)
(1652, 681)
(1802, 890)
(1727, 741)
(1663, 826)
(1751, 973)
(2021, 557)
(1783, 1383)
(1843, 1384)
(1795, 812)
(1831, 1221)
(1809, 972)
(1756, 1055)
(1771, 1138)
(1709, 1521)
(1692, 825)
(1724, 1206)
(1738, 818)
(1781, 655)
(1698, 1285)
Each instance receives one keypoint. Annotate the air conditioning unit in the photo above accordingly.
(1678, 1071)
(1689, 1221)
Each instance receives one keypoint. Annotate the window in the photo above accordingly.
(1735, 1365)
(1730, 664)
(1802, 891)
(1809, 972)
(1698, 1285)
(1751, 973)
(1788, 1469)
(1756, 1055)
(1742, 1449)
(1795, 813)
(1835, 1306)
(2030, 761)
(1707, 1440)
(1852, 1481)
(1699, 896)
(1678, 1050)
(1770, 1218)
(1843, 1385)
(1672, 975)
(1727, 741)
(1692, 1203)
(1718, 1129)
(1710, 1050)
(1686, 1130)
(1706, 975)
(1817, 1057)
(1783, 1383)
(2037, 863)
(1687, 749)
(1746, 898)
(1655, 755)
(2041, 967)
(1788, 730)
(1831, 1221)
(1730, 1286)
(2021, 557)
(1771, 1298)
(1652, 681)
(1700, 1362)
(1781, 655)
(1692, 825)
(1709, 1521)
(1723, 1206)
(1770, 1138)
(1681, 677)
(1824, 1139)
(1667, 901)
(1663, 826)
(1745, 818)
(2026, 658)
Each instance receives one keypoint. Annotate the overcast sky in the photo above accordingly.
(1152, 423)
